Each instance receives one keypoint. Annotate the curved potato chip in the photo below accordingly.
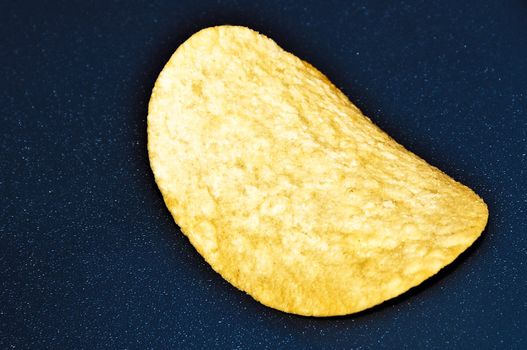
(287, 190)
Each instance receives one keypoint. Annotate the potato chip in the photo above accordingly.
(287, 190)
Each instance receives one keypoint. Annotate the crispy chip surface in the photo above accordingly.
(287, 190)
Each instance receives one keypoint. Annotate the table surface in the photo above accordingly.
(91, 258)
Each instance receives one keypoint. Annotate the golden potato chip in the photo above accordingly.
(287, 190)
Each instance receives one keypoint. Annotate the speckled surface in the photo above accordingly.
(89, 255)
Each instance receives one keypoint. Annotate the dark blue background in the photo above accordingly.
(89, 255)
